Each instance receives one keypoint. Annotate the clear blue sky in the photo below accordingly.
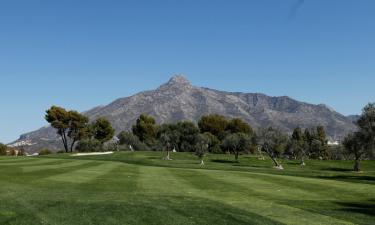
(80, 54)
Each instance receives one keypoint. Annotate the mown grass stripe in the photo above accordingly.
(86, 174)
(208, 186)
(56, 165)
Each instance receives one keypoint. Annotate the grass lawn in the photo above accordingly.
(141, 188)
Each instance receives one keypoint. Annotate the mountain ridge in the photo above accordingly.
(179, 100)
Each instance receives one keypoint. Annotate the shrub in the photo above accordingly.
(126, 139)
(3, 149)
(44, 151)
(89, 145)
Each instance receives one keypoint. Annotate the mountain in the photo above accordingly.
(179, 100)
(353, 118)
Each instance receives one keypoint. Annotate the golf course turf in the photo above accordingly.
(142, 188)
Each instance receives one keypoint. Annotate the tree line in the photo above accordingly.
(213, 134)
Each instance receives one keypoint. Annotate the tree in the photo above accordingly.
(239, 126)
(361, 143)
(213, 143)
(129, 139)
(102, 130)
(201, 147)
(77, 127)
(236, 143)
(354, 144)
(366, 125)
(59, 119)
(323, 150)
(169, 137)
(89, 145)
(3, 149)
(188, 133)
(316, 144)
(145, 129)
(298, 144)
(272, 141)
(215, 124)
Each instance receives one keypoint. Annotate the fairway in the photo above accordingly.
(141, 188)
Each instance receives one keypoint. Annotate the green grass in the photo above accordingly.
(141, 188)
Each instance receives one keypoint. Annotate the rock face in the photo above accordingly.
(179, 100)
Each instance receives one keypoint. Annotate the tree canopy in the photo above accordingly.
(102, 130)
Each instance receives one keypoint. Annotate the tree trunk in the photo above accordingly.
(72, 145)
(202, 162)
(302, 161)
(236, 155)
(277, 164)
(261, 155)
(63, 137)
(275, 161)
(167, 157)
(357, 164)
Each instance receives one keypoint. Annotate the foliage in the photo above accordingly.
(77, 127)
(361, 143)
(273, 142)
(213, 143)
(45, 151)
(3, 149)
(214, 124)
(102, 130)
(59, 119)
(89, 145)
(145, 129)
(188, 132)
(129, 139)
(69, 124)
(201, 146)
(366, 125)
(239, 126)
(236, 143)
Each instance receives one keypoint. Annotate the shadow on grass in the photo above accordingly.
(367, 208)
(336, 169)
(224, 161)
(349, 178)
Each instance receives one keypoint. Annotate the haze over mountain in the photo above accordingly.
(179, 100)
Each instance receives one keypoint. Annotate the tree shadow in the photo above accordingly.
(336, 169)
(224, 161)
(367, 208)
(349, 178)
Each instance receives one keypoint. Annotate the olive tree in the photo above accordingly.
(354, 144)
(201, 148)
(273, 142)
(236, 143)
(298, 144)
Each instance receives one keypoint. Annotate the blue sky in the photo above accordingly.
(80, 54)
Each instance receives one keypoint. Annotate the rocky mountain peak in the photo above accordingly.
(177, 81)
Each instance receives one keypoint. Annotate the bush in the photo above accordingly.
(126, 139)
(45, 151)
(112, 146)
(89, 145)
(21, 152)
(3, 149)
(60, 152)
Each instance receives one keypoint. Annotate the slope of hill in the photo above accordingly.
(178, 100)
